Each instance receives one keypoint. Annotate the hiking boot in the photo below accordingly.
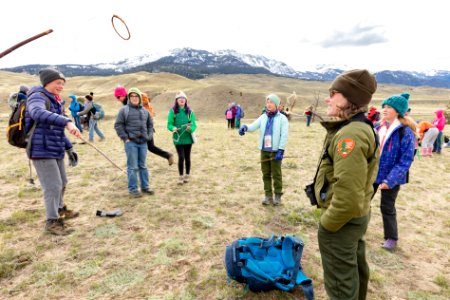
(171, 159)
(186, 178)
(135, 194)
(57, 227)
(66, 214)
(180, 180)
(102, 139)
(149, 191)
(267, 200)
(277, 199)
(390, 244)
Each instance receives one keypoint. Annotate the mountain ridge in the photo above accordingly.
(198, 64)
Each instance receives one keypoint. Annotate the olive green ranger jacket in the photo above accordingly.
(344, 183)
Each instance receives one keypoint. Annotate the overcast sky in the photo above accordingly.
(377, 35)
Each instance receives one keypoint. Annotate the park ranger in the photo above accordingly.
(343, 186)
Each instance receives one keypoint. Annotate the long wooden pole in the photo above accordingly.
(7, 51)
(103, 154)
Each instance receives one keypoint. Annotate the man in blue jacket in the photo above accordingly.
(45, 123)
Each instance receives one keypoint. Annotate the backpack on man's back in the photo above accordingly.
(15, 132)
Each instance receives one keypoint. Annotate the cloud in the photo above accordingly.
(358, 36)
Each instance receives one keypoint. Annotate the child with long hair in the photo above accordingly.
(397, 143)
(181, 122)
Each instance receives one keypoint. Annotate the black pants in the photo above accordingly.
(184, 155)
(388, 211)
(155, 150)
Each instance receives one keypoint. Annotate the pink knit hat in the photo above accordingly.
(120, 91)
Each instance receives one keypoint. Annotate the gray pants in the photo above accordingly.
(429, 137)
(53, 179)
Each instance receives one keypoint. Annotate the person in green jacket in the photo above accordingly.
(181, 121)
(344, 185)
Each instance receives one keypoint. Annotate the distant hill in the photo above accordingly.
(198, 64)
(210, 96)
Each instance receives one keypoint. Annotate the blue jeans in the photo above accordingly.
(437, 147)
(136, 163)
(308, 120)
(78, 123)
(94, 126)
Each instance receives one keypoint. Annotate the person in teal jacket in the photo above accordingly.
(181, 121)
(274, 128)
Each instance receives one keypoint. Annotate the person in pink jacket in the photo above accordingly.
(439, 122)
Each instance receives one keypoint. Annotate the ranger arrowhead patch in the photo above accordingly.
(345, 147)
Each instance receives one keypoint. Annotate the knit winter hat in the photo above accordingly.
(48, 75)
(120, 91)
(23, 89)
(180, 94)
(357, 86)
(135, 90)
(398, 102)
(274, 98)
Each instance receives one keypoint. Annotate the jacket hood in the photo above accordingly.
(439, 113)
(136, 91)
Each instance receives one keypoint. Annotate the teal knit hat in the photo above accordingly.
(274, 98)
(398, 102)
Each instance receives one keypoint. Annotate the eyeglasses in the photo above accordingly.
(134, 96)
(334, 92)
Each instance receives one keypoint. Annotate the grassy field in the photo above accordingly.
(170, 246)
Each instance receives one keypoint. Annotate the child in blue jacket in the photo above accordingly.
(273, 137)
(397, 142)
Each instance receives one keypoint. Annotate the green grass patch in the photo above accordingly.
(106, 231)
(117, 282)
(10, 262)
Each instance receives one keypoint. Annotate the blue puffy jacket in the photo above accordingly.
(48, 140)
(396, 158)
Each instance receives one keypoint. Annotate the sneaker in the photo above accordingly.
(171, 159)
(390, 244)
(102, 139)
(186, 178)
(267, 200)
(180, 180)
(57, 227)
(135, 194)
(66, 214)
(277, 199)
(149, 191)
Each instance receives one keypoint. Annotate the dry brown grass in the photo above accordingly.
(170, 245)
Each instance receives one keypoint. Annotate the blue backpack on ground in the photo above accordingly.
(267, 264)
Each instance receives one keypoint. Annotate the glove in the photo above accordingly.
(279, 155)
(110, 213)
(73, 157)
(243, 129)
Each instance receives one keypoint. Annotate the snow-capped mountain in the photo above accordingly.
(196, 64)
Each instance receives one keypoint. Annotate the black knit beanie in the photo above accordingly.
(48, 75)
(357, 86)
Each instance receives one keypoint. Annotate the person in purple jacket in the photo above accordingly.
(397, 142)
(45, 123)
